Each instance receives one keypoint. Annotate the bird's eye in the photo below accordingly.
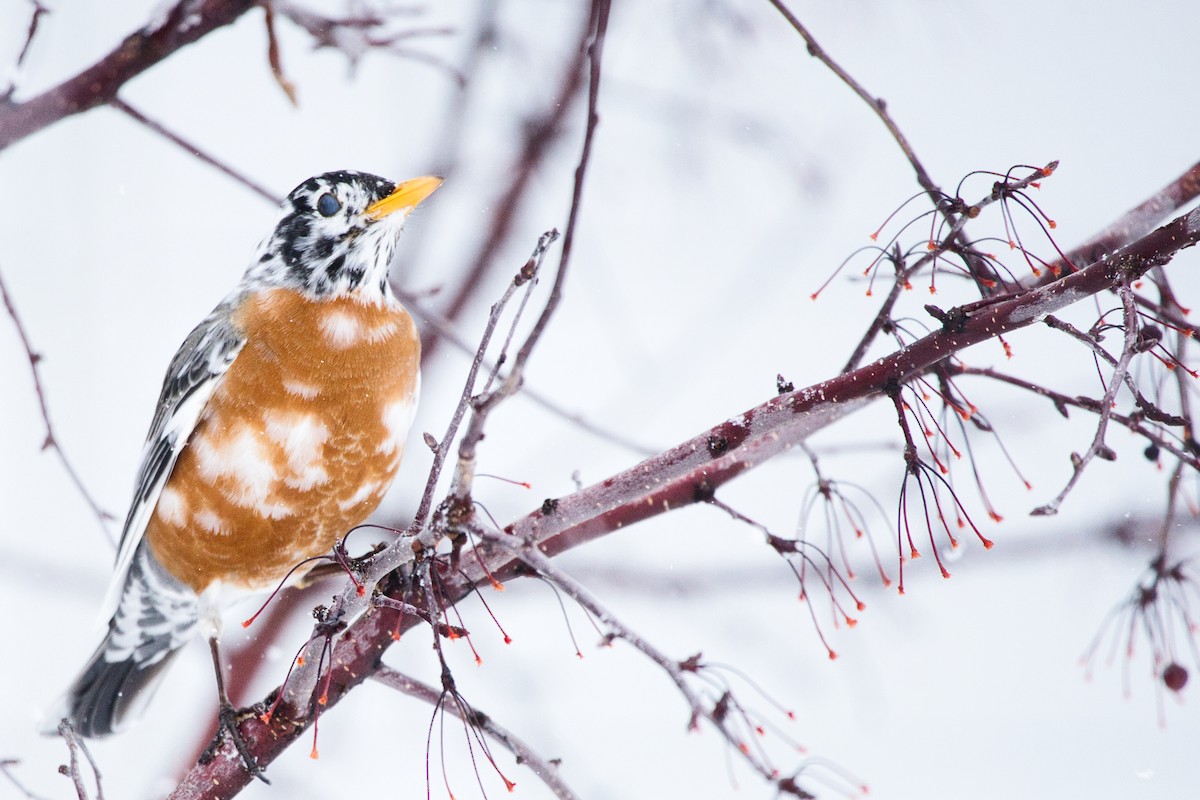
(328, 205)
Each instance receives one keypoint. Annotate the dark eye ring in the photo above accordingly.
(328, 205)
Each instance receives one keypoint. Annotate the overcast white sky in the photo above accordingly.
(732, 173)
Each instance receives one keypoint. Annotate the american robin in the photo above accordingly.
(281, 424)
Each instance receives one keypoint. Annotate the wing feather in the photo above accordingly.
(197, 368)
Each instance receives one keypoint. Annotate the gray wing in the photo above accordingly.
(190, 381)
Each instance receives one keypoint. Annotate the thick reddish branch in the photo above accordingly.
(1136, 222)
(691, 472)
(183, 24)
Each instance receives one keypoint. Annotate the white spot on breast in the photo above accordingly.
(243, 459)
(307, 478)
(172, 507)
(273, 509)
(341, 329)
(303, 437)
(306, 391)
(367, 490)
(397, 418)
(382, 332)
(210, 521)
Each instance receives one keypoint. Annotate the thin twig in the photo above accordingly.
(1169, 522)
(1062, 402)
(184, 23)
(353, 35)
(955, 214)
(51, 441)
(876, 104)
(483, 406)
(274, 59)
(34, 19)
(351, 603)
(1119, 374)
(529, 553)
(445, 330)
(542, 132)
(904, 274)
(1151, 410)
(522, 278)
(546, 771)
(75, 745)
(595, 52)
(193, 150)
(6, 765)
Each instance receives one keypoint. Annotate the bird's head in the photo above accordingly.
(336, 233)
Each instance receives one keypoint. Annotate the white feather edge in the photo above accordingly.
(182, 423)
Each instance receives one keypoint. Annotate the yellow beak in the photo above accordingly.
(406, 196)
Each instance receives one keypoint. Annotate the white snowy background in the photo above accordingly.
(731, 174)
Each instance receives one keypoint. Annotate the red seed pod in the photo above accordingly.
(1175, 677)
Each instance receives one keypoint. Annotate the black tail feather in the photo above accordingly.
(107, 695)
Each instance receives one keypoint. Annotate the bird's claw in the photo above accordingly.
(228, 721)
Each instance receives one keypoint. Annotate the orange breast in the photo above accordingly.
(298, 444)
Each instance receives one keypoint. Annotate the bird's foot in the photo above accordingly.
(228, 721)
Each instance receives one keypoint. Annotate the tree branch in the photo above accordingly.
(194, 151)
(541, 133)
(185, 22)
(51, 441)
(688, 473)
(545, 770)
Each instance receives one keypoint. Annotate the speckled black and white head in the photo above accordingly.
(336, 234)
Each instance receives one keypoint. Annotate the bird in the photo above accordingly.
(280, 425)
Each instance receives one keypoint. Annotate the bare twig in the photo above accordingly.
(466, 401)
(528, 551)
(445, 330)
(1169, 521)
(544, 769)
(483, 405)
(952, 210)
(1152, 411)
(595, 52)
(1000, 190)
(1062, 402)
(6, 765)
(273, 56)
(541, 133)
(75, 746)
(366, 30)
(34, 19)
(876, 104)
(193, 150)
(51, 441)
(1119, 375)
(184, 23)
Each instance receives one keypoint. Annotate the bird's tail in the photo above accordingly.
(154, 618)
(107, 695)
